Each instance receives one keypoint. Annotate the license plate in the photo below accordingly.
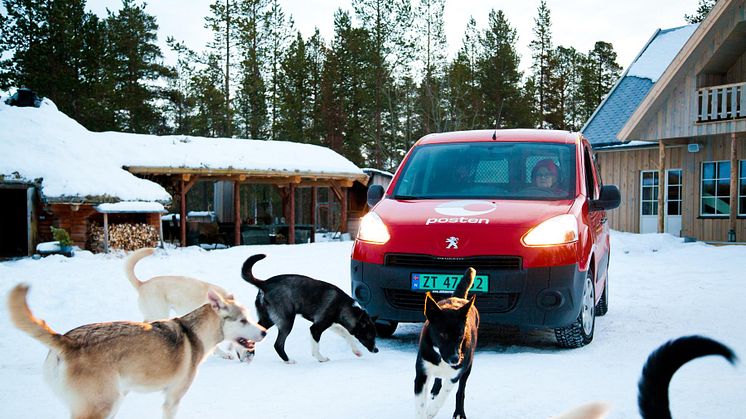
(447, 282)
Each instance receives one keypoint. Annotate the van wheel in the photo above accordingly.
(603, 304)
(384, 328)
(580, 332)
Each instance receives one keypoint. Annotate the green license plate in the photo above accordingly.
(447, 282)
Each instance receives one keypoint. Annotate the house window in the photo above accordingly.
(673, 192)
(742, 187)
(649, 195)
(715, 196)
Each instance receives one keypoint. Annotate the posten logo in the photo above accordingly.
(462, 212)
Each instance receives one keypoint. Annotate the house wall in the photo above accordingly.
(674, 114)
(622, 168)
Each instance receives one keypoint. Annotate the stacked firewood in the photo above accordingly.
(123, 236)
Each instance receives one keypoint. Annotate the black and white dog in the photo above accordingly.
(282, 297)
(446, 352)
(656, 376)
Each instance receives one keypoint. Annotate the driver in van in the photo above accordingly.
(545, 176)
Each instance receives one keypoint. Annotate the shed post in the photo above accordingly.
(236, 213)
(106, 233)
(291, 216)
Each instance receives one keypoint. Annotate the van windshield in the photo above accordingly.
(484, 170)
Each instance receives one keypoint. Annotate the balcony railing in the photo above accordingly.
(720, 103)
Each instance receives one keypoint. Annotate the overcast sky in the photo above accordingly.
(627, 24)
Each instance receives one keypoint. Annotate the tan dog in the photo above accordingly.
(93, 367)
(182, 294)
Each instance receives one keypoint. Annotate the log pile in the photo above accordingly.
(123, 236)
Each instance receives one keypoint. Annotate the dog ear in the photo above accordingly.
(431, 307)
(216, 301)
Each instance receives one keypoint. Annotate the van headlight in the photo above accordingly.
(373, 230)
(561, 229)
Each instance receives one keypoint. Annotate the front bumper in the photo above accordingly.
(533, 297)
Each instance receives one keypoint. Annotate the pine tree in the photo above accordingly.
(251, 96)
(563, 97)
(279, 30)
(136, 64)
(703, 9)
(294, 93)
(316, 52)
(387, 21)
(54, 47)
(432, 47)
(541, 47)
(462, 90)
(224, 22)
(597, 77)
(499, 77)
(208, 119)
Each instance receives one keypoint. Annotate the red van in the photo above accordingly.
(525, 208)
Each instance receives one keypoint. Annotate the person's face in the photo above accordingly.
(545, 178)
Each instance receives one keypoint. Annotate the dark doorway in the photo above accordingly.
(13, 223)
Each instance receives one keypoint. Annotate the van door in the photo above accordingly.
(599, 225)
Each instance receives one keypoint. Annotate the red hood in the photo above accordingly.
(480, 227)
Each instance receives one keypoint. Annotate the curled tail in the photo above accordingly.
(23, 319)
(129, 266)
(246, 270)
(465, 283)
(663, 363)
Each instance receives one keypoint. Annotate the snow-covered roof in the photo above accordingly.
(76, 165)
(660, 52)
(630, 90)
(130, 207)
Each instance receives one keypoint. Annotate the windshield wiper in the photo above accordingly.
(405, 197)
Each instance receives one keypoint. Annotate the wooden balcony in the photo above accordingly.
(721, 103)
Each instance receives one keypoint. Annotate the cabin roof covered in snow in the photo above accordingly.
(602, 127)
(73, 164)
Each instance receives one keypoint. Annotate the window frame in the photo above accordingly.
(702, 180)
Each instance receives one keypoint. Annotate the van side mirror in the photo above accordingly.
(609, 198)
(375, 194)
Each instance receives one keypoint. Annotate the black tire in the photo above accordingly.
(385, 328)
(603, 304)
(580, 332)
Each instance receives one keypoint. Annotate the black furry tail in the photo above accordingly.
(246, 270)
(663, 363)
(464, 285)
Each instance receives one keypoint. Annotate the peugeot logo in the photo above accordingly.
(452, 242)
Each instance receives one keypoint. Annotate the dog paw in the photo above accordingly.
(323, 359)
(290, 361)
(357, 353)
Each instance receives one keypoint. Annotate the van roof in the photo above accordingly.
(522, 135)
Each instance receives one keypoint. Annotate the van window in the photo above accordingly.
(485, 170)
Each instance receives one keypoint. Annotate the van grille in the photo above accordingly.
(486, 303)
(439, 262)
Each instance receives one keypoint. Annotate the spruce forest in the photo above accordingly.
(369, 93)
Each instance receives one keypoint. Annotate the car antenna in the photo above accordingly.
(497, 121)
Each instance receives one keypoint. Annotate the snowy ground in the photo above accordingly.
(661, 288)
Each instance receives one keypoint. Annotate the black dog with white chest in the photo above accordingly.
(446, 352)
(282, 297)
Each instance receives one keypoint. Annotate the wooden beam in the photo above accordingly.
(733, 187)
(343, 205)
(314, 200)
(291, 218)
(106, 233)
(190, 182)
(182, 213)
(337, 190)
(661, 185)
(237, 213)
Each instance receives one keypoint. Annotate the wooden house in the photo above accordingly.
(671, 132)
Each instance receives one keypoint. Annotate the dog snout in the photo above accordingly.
(263, 333)
(374, 350)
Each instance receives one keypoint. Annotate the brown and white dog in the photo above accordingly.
(94, 366)
(160, 295)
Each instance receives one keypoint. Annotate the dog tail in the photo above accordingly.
(663, 363)
(129, 266)
(464, 285)
(246, 270)
(23, 319)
